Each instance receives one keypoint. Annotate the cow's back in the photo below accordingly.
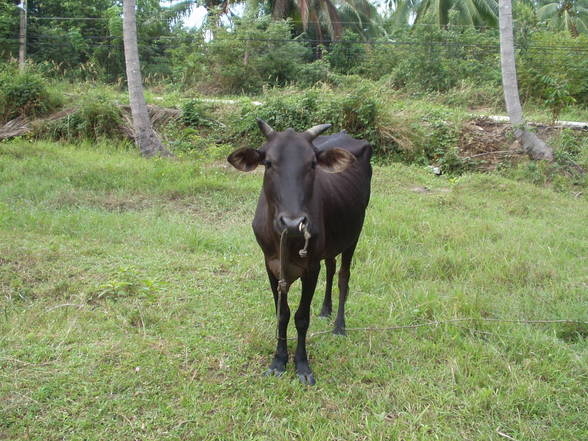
(344, 196)
(361, 149)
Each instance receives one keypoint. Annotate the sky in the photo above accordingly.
(196, 17)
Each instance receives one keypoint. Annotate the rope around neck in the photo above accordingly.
(283, 285)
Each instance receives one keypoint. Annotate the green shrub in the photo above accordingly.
(256, 53)
(97, 116)
(346, 54)
(380, 59)
(355, 112)
(309, 74)
(24, 93)
(560, 79)
(469, 94)
(566, 173)
(193, 114)
(432, 59)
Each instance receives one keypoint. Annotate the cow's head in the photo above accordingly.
(291, 164)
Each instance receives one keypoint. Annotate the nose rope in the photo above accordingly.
(304, 228)
(283, 285)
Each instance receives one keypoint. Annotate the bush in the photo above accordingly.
(309, 74)
(355, 112)
(193, 114)
(437, 60)
(24, 93)
(346, 54)
(561, 80)
(566, 173)
(98, 116)
(380, 60)
(255, 54)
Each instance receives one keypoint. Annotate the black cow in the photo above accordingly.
(316, 190)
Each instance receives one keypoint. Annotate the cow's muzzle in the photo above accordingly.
(294, 225)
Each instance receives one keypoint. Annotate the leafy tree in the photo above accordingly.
(320, 17)
(467, 12)
(571, 15)
(84, 39)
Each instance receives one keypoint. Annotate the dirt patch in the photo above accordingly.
(488, 143)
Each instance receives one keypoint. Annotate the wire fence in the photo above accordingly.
(466, 55)
(580, 48)
(101, 40)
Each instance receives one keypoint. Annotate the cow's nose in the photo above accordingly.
(292, 224)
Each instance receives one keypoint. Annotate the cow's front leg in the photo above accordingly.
(278, 365)
(302, 320)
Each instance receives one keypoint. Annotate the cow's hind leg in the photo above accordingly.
(327, 308)
(302, 320)
(278, 365)
(344, 274)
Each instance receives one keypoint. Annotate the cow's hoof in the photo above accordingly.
(339, 331)
(275, 372)
(305, 374)
(307, 379)
(276, 369)
(325, 313)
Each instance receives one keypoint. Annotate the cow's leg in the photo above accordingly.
(278, 365)
(302, 320)
(327, 308)
(344, 274)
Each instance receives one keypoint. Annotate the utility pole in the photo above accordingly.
(22, 36)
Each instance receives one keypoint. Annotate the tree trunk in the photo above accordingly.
(22, 36)
(145, 137)
(533, 146)
(280, 9)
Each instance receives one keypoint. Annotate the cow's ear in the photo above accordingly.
(246, 159)
(335, 160)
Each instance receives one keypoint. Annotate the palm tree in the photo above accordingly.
(361, 17)
(145, 137)
(571, 15)
(469, 12)
(402, 12)
(533, 146)
(315, 12)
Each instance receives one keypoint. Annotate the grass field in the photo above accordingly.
(135, 306)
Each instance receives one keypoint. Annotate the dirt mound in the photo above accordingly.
(488, 142)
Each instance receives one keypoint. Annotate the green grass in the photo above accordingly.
(134, 305)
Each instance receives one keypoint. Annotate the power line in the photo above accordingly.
(397, 43)
(68, 18)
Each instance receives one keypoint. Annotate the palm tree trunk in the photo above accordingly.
(280, 9)
(145, 137)
(533, 146)
(22, 36)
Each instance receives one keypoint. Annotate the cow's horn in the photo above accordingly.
(265, 128)
(315, 131)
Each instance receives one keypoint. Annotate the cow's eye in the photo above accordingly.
(267, 164)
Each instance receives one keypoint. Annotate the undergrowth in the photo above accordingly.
(24, 93)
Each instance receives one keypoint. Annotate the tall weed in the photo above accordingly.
(24, 93)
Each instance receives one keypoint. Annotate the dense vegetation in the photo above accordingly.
(436, 52)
